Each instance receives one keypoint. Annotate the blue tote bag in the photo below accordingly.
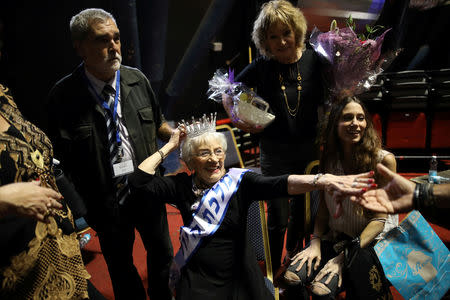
(415, 260)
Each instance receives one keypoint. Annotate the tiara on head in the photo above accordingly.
(200, 126)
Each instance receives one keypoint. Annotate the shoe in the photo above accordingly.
(293, 277)
(321, 289)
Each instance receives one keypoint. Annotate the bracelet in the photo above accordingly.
(428, 199)
(316, 178)
(423, 196)
(416, 196)
(162, 155)
(313, 236)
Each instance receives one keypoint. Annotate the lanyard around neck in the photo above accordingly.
(107, 107)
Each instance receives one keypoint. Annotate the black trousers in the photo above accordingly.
(278, 158)
(116, 242)
(284, 213)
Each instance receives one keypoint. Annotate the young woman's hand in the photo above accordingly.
(308, 256)
(333, 267)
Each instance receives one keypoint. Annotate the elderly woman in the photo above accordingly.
(287, 76)
(341, 250)
(215, 259)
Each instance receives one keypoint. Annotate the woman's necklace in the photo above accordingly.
(292, 111)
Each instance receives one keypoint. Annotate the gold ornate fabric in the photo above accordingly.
(51, 266)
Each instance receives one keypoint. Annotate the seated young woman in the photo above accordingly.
(215, 259)
(341, 250)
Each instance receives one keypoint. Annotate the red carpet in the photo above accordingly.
(97, 267)
(96, 264)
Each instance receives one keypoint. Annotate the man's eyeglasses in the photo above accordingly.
(219, 153)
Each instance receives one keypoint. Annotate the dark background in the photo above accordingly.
(171, 42)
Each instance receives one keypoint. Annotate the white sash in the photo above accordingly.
(208, 216)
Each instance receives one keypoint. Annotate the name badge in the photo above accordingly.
(123, 168)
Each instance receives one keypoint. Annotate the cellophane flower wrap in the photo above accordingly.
(352, 64)
(247, 106)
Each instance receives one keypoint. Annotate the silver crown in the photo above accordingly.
(200, 126)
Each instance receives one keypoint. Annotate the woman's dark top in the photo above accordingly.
(288, 139)
(224, 266)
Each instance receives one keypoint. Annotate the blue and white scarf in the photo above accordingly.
(206, 219)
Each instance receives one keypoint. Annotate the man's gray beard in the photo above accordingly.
(116, 66)
(117, 63)
(111, 68)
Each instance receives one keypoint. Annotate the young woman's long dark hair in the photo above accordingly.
(365, 152)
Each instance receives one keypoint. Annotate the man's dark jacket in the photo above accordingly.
(77, 128)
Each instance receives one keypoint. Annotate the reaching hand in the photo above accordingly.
(347, 184)
(28, 199)
(396, 196)
(343, 186)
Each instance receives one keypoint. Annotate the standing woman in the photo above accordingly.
(41, 257)
(40, 253)
(341, 250)
(287, 77)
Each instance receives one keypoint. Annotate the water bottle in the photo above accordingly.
(84, 240)
(432, 173)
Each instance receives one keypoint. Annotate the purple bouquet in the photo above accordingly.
(353, 63)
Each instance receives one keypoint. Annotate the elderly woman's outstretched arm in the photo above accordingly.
(338, 186)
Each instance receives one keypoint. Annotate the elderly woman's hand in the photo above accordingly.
(178, 135)
(28, 199)
(346, 185)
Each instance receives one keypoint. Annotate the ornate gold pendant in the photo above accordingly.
(37, 159)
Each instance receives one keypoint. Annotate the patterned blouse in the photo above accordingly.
(39, 260)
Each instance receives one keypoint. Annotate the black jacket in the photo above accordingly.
(77, 129)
